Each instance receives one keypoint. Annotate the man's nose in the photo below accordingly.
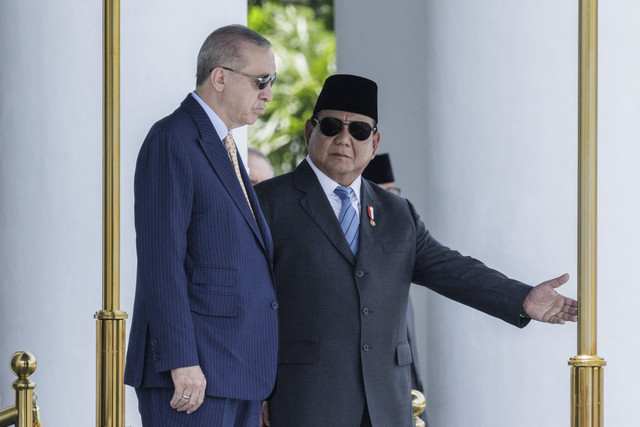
(343, 136)
(266, 94)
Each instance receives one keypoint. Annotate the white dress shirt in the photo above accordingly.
(328, 185)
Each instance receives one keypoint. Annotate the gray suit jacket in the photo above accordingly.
(343, 328)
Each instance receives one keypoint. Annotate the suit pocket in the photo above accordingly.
(403, 352)
(212, 303)
(218, 276)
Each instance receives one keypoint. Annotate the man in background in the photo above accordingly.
(259, 166)
(380, 172)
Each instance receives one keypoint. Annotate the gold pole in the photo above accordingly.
(587, 375)
(110, 327)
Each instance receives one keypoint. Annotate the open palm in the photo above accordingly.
(545, 304)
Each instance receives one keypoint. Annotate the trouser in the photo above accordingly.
(214, 411)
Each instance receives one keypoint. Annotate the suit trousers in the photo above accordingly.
(214, 411)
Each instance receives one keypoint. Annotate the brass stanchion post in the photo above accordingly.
(23, 364)
(418, 405)
(587, 373)
(110, 327)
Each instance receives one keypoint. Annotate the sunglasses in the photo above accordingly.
(263, 81)
(330, 126)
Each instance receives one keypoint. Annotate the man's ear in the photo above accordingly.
(217, 79)
(308, 130)
(376, 141)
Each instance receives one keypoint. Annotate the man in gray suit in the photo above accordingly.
(345, 253)
(380, 172)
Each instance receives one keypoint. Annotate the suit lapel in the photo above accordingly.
(257, 216)
(367, 230)
(317, 206)
(217, 156)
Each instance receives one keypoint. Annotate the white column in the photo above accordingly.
(478, 108)
(51, 175)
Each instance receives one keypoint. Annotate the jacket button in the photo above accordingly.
(359, 273)
(274, 305)
(366, 347)
(365, 311)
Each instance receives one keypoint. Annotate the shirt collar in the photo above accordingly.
(217, 122)
(328, 184)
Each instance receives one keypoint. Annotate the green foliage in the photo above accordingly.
(323, 8)
(305, 57)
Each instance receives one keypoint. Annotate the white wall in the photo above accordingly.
(619, 207)
(478, 108)
(51, 175)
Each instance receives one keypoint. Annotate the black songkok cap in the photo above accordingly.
(353, 94)
(379, 170)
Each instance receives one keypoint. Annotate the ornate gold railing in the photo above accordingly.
(25, 412)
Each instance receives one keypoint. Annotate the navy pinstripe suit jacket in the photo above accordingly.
(204, 293)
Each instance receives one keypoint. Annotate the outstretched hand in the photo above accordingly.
(544, 304)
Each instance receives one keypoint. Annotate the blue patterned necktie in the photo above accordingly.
(348, 218)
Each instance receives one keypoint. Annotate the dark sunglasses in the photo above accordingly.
(330, 126)
(263, 81)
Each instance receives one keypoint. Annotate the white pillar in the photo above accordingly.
(51, 175)
(478, 108)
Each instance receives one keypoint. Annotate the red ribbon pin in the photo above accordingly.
(371, 216)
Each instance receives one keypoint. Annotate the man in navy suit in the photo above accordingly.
(203, 343)
(345, 254)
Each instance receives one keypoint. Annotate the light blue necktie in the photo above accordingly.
(348, 218)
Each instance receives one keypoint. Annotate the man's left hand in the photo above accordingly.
(544, 304)
(189, 388)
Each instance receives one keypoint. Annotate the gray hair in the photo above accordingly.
(223, 48)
